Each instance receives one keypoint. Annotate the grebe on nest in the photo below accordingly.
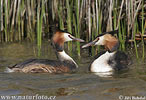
(64, 63)
(111, 59)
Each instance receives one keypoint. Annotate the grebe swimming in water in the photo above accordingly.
(111, 59)
(64, 63)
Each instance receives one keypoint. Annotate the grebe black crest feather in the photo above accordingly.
(111, 32)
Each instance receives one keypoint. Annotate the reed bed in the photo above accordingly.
(35, 19)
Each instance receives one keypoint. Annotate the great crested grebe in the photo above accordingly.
(111, 59)
(64, 63)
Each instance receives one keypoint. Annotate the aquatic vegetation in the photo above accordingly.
(36, 19)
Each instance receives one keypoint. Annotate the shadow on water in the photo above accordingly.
(81, 85)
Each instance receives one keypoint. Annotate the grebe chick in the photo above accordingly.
(111, 59)
(64, 63)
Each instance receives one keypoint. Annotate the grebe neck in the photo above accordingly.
(62, 56)
(101, 63)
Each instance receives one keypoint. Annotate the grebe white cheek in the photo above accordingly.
(66, 37)
(100, 41)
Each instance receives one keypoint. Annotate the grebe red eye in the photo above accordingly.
(70, 36)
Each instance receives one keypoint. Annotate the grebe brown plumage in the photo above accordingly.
(64, 63)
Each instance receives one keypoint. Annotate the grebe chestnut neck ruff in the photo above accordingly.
(111, 59)
(64, 63)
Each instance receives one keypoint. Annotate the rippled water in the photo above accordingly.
(81, 85)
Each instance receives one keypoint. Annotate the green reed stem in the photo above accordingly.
(39, 25)
(61, 23)
(22, 19)
(120, 36)
(135, 45)
(123, 35)
(69, 26)
(99, 25)
(143, 30)
(0, 19)
(77, 25)
(6, 16)
(115, 18)
(19, 28)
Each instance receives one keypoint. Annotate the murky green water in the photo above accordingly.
(81, 85)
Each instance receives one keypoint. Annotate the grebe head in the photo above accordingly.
(110, 42)
(58, 43)
(61, 36)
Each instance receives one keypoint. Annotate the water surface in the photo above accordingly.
(81, 85)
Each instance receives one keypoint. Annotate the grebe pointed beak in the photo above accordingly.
(90, 43)
(76, 39)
